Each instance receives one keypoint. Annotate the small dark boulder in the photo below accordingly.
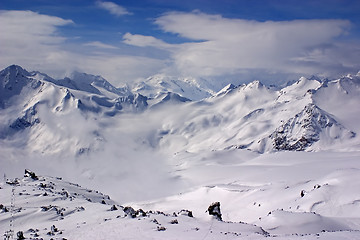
(161, 228)
(54, 229)
(113, 208)
(30, 174)
(20, 235)
(302, 193)
(185, 212)
(130, 212)
(141, 213)
(174, 221)
(214, 209)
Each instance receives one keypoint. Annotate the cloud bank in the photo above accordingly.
(25, 32)
(33, 41)
(215, 48)
(219, 46)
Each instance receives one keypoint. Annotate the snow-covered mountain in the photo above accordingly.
(168, 140)
(260, 119)
(250, 116)
(190, 88)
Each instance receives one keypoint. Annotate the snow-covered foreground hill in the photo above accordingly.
(283, 196)
(283, 162)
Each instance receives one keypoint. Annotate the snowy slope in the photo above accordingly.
(83, 115)
(317, 204)
(191, 88)
(49, 116)
(282, 160)
(260, 119)
(92, 84)
(48, 207)
(72, 117)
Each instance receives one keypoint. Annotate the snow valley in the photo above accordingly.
(281, 161)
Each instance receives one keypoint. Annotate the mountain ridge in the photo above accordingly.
(281, 161)
(266, 111)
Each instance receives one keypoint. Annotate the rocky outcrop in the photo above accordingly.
(306, 128)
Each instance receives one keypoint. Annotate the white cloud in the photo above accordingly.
(29, 38)
(32, 40)
(120, 69)
(146, 41)
(25, 31)
(230, 46)
(98, 44)
(217, 47)
(113, 8)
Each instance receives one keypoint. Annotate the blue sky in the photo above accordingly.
(223, 40)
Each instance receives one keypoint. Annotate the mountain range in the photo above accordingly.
(168, 143)
(250, 116)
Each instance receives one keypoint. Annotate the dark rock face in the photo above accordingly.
(304, 129)
(214, 209)
(12, 81)
(137, 102)
(27, 120)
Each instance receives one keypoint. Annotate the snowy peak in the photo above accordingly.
(243, 116)
(299, 90)
(316, 78)
(228, 88)
(254, 85)
(90, 83)
(167, 98)
(303, 85)
(308, 127)
(14, 71)
(77, 85)
(41, 76)
(99, 82)
(255, 88)
(173, 97)
(13, 79)
(182, 152)
(186, 87)
(349, 84)
(135, 102)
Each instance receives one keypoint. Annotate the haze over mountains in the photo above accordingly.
(168, 135)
